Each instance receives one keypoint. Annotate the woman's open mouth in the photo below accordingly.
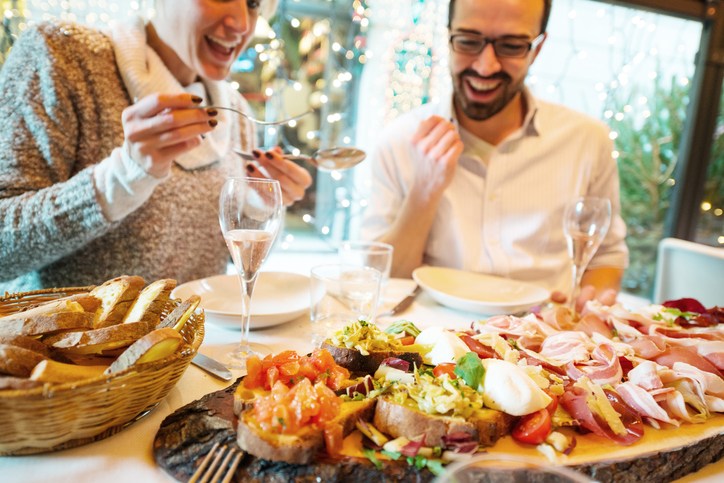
(221, 48)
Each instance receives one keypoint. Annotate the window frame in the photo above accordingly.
(697, 141)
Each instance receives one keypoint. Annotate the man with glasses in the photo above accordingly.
(480, 183)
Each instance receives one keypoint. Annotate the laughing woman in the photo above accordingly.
(107, 166)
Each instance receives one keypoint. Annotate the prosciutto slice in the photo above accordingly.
(574, 400)
(646, 375)
(641, 401)
(603, 368)
(687, 355)
(567, 347)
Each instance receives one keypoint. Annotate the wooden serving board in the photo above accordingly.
(188, 434)
(661, 455)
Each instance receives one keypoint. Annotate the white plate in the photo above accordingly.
(278, 297)
(477, 292)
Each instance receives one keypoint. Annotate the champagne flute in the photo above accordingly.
(585, 224)
(250, 215)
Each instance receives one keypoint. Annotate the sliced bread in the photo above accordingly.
(356, 362)
(485, 425)
(300, 448)
(116, 296)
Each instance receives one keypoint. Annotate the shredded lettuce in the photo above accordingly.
(439, 395)
(403, 326)
(365, 337)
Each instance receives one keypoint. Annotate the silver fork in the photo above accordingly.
(255, 120)
(218, 465)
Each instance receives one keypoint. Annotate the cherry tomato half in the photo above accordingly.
(407, 340)
(533, 428)
(445, 368)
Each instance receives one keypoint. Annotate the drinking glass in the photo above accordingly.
(250, 215)
(339, 295)
(585, 224)
(373, 254)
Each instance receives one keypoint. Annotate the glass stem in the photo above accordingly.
(247, 288)
(577, 275)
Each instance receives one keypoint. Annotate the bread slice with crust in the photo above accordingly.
(16, 361)
(178, 317)
(149, 304)
(73, 303)
(356, 362)
(300, 448)
(155, 345)
(49, 370)
(45, 324)
(98, 341)
(485, 425)
(26, 342)
(116, 296)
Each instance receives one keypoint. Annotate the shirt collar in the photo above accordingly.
(530, 125)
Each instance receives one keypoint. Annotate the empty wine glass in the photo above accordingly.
(250, 214)
(585, 223)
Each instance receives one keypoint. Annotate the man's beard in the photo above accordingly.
(479, 111)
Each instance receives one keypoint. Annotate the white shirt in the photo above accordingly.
(503, 211)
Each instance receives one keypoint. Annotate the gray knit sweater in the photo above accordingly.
(60, 113)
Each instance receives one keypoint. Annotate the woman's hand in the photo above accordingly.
(293, 179)
(160, 127)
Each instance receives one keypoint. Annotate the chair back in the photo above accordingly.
(689, 269)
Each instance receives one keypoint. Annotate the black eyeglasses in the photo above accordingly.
(473, 44)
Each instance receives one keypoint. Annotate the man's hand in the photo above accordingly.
(160, 127)
(440, 146)
(294, 179)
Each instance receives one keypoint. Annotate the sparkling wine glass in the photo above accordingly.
(250, 214)
(585, 223)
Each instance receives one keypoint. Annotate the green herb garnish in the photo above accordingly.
(471, 370)
(370, 454)
(393, 455)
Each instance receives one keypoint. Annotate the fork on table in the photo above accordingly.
(219, 465)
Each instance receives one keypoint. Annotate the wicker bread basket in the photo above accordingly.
(61, 416)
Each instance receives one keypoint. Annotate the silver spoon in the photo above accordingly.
(331, 159)
(255, 120)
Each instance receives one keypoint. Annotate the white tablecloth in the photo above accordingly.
(127, 456)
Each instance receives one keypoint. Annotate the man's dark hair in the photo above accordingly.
(543, 23)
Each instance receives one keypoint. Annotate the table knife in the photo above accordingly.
(403, 304)
(211, 366)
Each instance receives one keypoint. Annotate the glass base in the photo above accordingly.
(236, 359)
